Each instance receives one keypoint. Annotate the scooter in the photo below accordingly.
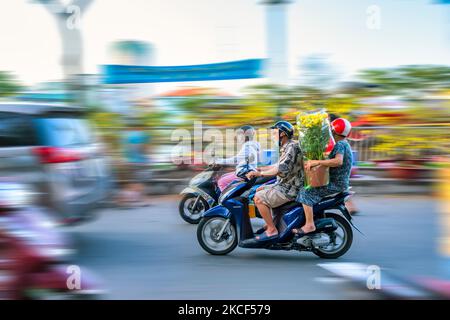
(203, 193)
(33, 253)
(228, 225)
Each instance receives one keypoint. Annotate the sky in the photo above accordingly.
(207, 31)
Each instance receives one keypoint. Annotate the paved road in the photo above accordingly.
(150, 253)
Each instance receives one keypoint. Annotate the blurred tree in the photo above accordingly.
(156, 119)
(8, 84)
(107, 126)
(195, 108)
(195, 104)
(273, 100)
(409, 81)
(287, 102)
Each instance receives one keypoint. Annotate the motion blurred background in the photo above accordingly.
(84, 76)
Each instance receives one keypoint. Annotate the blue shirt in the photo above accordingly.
(340, 176)
(134, 146)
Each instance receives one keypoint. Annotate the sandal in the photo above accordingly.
(264, 237)
(300, 233)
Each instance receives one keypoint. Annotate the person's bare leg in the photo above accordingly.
(266, 214)
(309, 225)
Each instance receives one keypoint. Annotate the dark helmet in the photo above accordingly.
(285, 127)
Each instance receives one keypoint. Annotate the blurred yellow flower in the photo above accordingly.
(311, 120)
(313, 134)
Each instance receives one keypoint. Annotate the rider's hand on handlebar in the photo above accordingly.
(215, 166)
(253, 174)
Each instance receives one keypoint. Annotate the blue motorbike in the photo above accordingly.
(228, 225)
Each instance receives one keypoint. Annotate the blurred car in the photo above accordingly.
(53, 150)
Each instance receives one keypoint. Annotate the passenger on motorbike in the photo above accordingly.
(340, 163)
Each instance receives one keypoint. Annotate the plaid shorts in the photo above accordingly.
(272, 197)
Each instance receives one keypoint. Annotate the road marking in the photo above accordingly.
(330, 280)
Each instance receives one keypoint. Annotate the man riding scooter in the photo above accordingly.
(289, 178)
(246, 160)
(204, 189)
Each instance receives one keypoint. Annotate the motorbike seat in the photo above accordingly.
(331, 200)
(331, 196)
(278, 213)
(262, 180)
(337, 195)
(285, 207)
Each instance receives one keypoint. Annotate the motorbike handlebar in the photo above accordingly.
(214, 167)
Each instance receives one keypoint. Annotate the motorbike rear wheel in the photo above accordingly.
(344, 233)
(187, 212)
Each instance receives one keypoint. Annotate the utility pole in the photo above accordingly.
(67, 15)
(277, 40)
(277, 45)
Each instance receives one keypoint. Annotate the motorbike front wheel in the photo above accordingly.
(188, 212)
(208, 235)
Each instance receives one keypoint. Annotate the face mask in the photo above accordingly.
(275, 136)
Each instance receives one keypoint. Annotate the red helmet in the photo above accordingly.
(341, 127)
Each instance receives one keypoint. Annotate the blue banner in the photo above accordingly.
(242, 69)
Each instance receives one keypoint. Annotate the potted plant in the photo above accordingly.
(314, 134)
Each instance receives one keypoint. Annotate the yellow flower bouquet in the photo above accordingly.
(314, 135)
